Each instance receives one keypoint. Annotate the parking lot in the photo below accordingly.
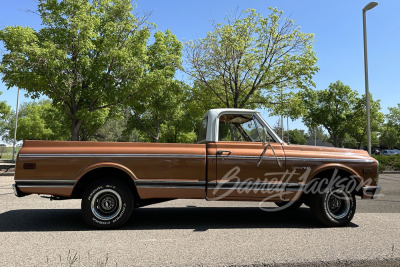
(36, 231)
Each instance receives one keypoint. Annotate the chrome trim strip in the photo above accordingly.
(333, 160)
(259, 186)
(170, 184)
(250, 157)
(40, 186)
(171, 187)
(112, 155)
(254, 189)
(221, 185)
(192, 156)
(45, 183)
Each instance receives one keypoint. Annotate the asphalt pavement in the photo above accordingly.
(37, 232)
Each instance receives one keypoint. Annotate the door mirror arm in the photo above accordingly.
(264, 136)
(266, 148)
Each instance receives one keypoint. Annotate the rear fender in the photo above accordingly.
(106, 165)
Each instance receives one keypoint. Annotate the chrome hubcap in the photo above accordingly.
(106, 204)
(338, 204)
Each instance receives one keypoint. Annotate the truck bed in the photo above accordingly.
(58, 165)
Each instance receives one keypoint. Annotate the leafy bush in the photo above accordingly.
(392, 161)
(382, 168)
(396, 165)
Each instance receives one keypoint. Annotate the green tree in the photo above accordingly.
(288, 104)
(5, 111)
(160, 116)
(240, 62)
(38, 121)
(93, 121)
(390, 136)
(357, 130)
(114, 129)
(393, 117)
(296, 136)
(88, 56)
(201, 100)
(316, 133)
(339, 110)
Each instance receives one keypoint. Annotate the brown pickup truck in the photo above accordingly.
(238, 157)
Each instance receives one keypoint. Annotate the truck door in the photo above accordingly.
(241, 170)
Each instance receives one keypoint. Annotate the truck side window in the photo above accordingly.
(238, 127)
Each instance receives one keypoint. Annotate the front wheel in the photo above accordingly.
(107, 204)
(333, 207)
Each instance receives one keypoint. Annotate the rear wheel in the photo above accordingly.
(334, 207)
(107, 204)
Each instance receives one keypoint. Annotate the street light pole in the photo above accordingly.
(369, 6)
(16, 125)
(287, 123)
(315, 136)
(282, 111)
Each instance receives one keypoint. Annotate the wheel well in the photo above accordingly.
(330, 173)
(101, 173)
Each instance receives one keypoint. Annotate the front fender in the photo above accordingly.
(332, 166)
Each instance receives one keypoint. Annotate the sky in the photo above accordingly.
(337, 26)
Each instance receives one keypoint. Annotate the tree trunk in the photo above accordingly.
(359, 144)
(176, 135)
(157, 137)
(336, 142)
(75, 128)
(158, 130)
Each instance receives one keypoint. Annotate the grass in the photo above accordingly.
(74, 259)
(392, 250)
(6, 152)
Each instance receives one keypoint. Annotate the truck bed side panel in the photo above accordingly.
(159, 170)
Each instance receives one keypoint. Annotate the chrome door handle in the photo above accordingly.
(222, 152)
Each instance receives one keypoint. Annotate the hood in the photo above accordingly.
(324, 152)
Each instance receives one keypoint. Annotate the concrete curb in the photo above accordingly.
(7, 174)
(7, 167)
(388, 262)
(7, 161)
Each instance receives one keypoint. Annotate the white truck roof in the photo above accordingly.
(213, 118)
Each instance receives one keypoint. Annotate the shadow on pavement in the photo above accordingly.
(198, 219)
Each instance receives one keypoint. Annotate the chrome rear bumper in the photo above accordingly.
(17, 192)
